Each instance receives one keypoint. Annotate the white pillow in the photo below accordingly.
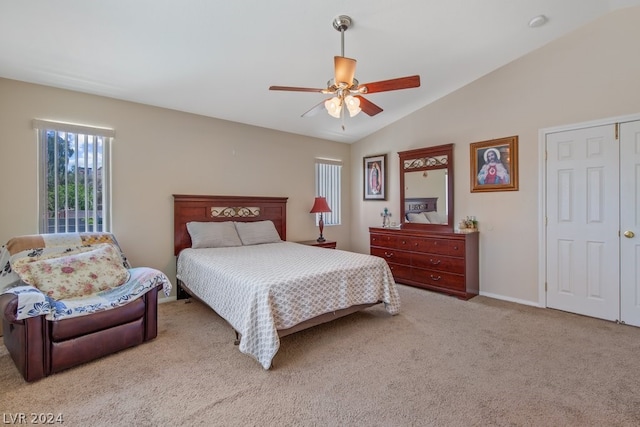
(213, 234)
(257, 232)
(418, 217)
(434, 217)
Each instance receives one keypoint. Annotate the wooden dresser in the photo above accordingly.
(439, 261)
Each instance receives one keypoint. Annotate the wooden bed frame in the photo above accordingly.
(188, 208)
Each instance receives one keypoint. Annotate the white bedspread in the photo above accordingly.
(262, 288)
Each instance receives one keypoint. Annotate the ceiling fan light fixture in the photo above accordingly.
(345, 90)
(353, 105)
(333, 106)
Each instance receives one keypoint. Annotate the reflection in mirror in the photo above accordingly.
(426, 187)
(428, 184)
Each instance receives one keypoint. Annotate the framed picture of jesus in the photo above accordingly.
(494, 165)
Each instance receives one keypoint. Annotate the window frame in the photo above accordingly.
(328, 182)
(85, 137)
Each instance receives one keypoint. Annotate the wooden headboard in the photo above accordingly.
(188, 208)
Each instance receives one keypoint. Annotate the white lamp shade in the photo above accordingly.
(353, 105)
(333, 107)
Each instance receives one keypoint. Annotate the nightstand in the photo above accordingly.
(326, 244)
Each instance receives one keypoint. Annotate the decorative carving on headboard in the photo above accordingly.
(235, 212)
(425, 162)
(421, 204)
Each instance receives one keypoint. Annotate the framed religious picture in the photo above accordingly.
(494, 165)
(375, 177)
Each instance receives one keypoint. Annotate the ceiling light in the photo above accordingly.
(353, 105)
(538, 21)
(333, 106)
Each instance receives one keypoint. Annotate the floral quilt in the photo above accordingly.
(34, 302)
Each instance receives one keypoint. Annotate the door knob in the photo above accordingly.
(629, 234)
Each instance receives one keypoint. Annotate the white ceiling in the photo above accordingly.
(218, 58)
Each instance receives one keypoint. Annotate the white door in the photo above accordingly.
(583, 274)
(630, 223)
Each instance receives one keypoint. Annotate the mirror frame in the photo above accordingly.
(424, 159)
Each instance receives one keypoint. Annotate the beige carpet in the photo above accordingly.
(441, 362)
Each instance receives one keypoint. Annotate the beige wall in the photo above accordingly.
(591, 74)
(157, 153)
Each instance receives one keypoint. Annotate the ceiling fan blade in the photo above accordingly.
(295, 89)
(314, 110)
(393, 84)
(368, 107)
(345, 69)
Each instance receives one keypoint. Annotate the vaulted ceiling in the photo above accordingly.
(218, 58)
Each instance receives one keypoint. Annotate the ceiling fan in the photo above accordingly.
(346, 91)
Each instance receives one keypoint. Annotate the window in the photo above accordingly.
(73, 177)
(328, 185)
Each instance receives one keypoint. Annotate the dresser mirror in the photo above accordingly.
(426, 188)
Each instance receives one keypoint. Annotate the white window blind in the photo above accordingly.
(74, 190)
(328, 185)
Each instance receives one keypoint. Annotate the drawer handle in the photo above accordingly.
(435, 278)
(436, 262)
(455, 248)
(388, 255)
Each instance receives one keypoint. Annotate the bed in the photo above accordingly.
(264, 286)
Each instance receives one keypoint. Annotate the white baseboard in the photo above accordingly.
(166, 299)
(516, 300)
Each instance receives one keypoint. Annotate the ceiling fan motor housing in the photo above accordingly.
(342, 23)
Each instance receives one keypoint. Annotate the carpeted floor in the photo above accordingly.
(440, 362)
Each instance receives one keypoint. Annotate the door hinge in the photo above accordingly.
(545, 286)
(617, 131)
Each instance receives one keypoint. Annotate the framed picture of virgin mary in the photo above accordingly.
(375, 177)
(494, 165)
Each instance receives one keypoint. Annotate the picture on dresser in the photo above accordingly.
(494, 165)
(375, 177)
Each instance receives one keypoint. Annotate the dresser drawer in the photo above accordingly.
(438, 262)
(392, 255)
(400, 271)
(383, 240)
(437, 246)
(439, 279)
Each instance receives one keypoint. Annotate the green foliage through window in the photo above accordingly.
(73, 185)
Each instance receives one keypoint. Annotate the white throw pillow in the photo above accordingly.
(418, 218)
(213, 234)
(434, 217)
(258, 232)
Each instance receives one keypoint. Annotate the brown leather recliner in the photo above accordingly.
(41, 347)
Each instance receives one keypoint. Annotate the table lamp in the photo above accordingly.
(319, 206)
